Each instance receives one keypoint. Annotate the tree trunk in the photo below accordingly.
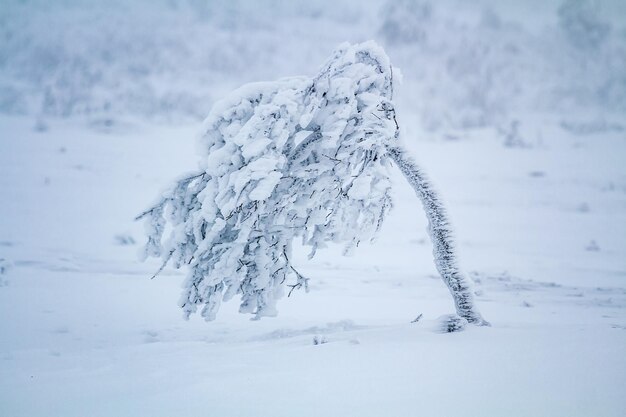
(441, 236)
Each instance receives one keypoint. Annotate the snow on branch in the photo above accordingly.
(301, 157)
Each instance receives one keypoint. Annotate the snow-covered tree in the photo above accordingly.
(305, 158)
(582, 24)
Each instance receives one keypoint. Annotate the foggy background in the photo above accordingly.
(465, 64)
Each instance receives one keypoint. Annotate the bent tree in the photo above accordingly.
(305, 158)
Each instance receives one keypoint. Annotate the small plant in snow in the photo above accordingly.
(5, 265)
(450, 323)
(512, 136)
(304, 158)
(319, 340)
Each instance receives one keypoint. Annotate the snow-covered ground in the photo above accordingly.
(541, 227)
(86, 332)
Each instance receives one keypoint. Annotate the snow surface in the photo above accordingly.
(86, 332)
(541, 227)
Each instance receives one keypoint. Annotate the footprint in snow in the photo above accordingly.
(150, 336)
(61, 330)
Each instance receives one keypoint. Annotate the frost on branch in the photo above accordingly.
(303, 158)
(294, 158)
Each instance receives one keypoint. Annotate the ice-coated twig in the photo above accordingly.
(441, 236)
